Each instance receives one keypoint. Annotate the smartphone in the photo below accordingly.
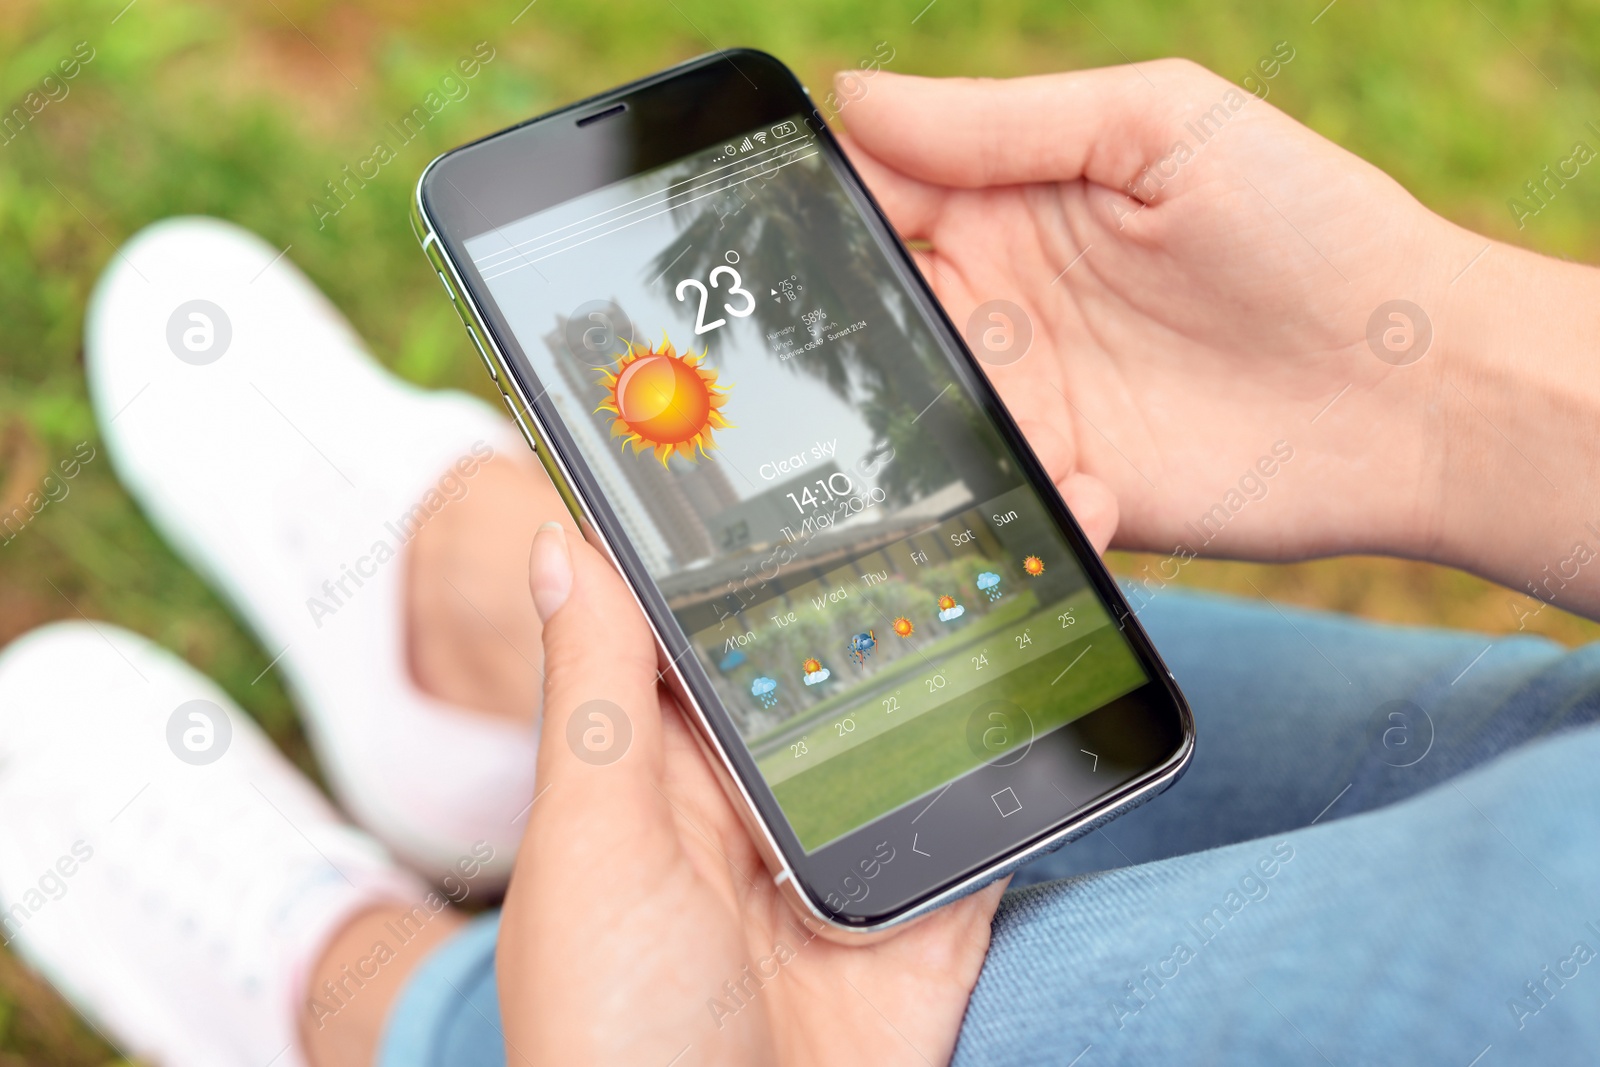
(905, 661)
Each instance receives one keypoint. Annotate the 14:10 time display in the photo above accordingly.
(835, 486)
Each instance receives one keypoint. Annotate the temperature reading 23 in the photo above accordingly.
(735, 288)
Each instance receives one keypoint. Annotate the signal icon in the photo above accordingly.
(746, 146)
(761, 138)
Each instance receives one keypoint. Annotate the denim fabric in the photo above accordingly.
(1386, 850)
(1372, 889)
(448, 1014)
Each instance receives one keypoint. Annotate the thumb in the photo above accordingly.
(1094, 506)
(1102, 125)
(600, 703)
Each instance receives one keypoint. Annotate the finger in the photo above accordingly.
(1056, 451)
(1088, 498)
(912, 205)
(1104, 125)
(714, 836)
(913, 209)
(949, 285)
(601, 711)
(1094, 506)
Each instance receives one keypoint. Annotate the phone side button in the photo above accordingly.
(487, 362)
(516, 416)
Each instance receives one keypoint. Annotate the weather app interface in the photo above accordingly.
(871, 585)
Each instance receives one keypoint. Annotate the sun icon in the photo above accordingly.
(811, 666)
(664, 401)
(903, 627)
(946, 603)
(1034, 566)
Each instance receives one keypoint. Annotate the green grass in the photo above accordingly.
(245, 110)
(902, 764)
(950, 657)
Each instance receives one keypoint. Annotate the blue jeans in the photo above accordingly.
(1387, 850)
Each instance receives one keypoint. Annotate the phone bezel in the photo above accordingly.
(716, 732)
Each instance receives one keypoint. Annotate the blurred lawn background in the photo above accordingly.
(245, 110)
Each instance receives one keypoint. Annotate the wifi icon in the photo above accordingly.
(761, 138)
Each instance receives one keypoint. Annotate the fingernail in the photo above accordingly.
(549, 570)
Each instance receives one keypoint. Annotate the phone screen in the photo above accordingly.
(875, 590)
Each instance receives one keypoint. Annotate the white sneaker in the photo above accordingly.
(291, 471)
(179, 905)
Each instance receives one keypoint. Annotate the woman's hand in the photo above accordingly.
(1200, 272)
(641, 926)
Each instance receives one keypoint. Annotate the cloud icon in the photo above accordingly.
(818, 676)
(765, 690)
(989, 585)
